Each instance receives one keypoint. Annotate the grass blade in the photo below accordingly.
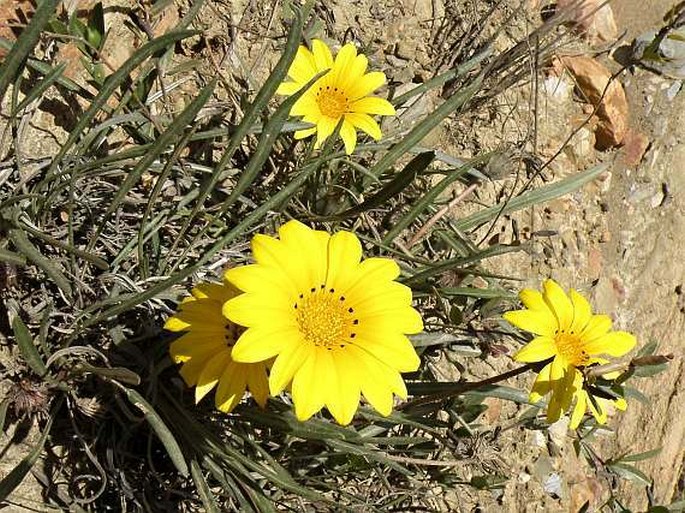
(254, 109)
(51, 78)
(203, 490)
(11, 257)
(163, 432)
(533, 197)
(28, 349)
(423, 128)
(178, 126)
(111, 84)
(22, 243)
(455, 263)
(398, 184)
(430, 197)
(14, 62)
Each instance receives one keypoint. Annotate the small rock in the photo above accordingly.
(553, 485)
(594, 19)
(634, 147)
(594, 80)
(406, 49)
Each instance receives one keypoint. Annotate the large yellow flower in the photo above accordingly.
(572, 337)
(342, 93)
(335, 324)
(205, 347)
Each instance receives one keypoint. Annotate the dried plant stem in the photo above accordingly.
(440, 214)
(459, 388)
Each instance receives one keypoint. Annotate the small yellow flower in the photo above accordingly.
(343, 92)
(572, 337)
(205, 345)
(335, 324)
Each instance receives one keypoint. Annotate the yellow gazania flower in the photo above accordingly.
(205, 347)
(569, 334)
(343, 92)
(335, 324)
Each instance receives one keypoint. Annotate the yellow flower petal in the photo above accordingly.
(209, 376)
(288, 88)
(365, 123)
(394, 349)
(373, 105)
(349, 136)
(615, 343)
(386, 297)
(258, 382)
(578, 410)
(400, 320)
(251, 309)
(322, 55)
(343, 395)
(597, 408)
(303, 134)
(542, 385)
(343, 61)
(535, 321)
(344, 255)
(378, 392)
(559, 303)
(533, 300)
(598, 326)
(367, 84)
(231, 387)
(263, 342)
(537, 350)
(621, 404)
(582, 312)
(303, 68)
(287, 364)
(311, 383)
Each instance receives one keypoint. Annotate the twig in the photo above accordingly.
(439, 214)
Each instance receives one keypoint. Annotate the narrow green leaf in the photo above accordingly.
(163, 432)
(271, 131)
(266, 92)
(111, 84)
(500, 392)
(203, 490)
(14, 62)
(176, 128)
(28, 349)
(631, 473)
(476, 292)
(429, 198)
(11, 257)
(421, 275)
(18, 473)
(443, 78)
(93, 259)
(396, 186)
(532, 197)
(51, 78)
(22, 243)
(640, 456)
(423, 128)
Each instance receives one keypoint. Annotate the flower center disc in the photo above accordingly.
(571, 348)
(332, 102)
(323, 319)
